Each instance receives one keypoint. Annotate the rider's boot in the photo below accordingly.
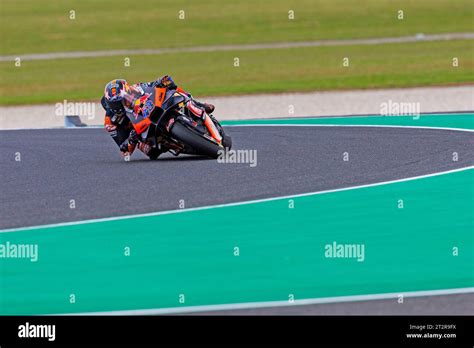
(196, 107)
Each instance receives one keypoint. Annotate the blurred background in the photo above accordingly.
(38, 32)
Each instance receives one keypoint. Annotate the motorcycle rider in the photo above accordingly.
(116, 101)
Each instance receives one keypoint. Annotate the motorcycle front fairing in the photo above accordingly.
(166, 101)
(172, 100)
(144, 109)
(154, 111)
(139, 122)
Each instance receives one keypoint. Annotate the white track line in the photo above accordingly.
(134, 216)
(279, 125)
(245, 47)
(275, 125)
(309, 301)
(346, 125)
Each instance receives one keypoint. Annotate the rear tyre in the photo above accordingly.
(191, 138)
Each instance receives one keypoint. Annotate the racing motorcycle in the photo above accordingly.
(162, 120)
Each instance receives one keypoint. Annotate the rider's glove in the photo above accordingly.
(126, 148)
(167, 82)
(110, 127)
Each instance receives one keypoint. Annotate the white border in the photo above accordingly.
(269, 304)
(347, 125)
(125, 217)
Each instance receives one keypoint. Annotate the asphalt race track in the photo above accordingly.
(43, 170)
(60, 165)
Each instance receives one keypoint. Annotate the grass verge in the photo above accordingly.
(261, 71)
(42, 26)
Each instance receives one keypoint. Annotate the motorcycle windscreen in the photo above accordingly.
(172, 99)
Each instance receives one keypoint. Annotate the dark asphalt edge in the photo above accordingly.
(450, 304)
